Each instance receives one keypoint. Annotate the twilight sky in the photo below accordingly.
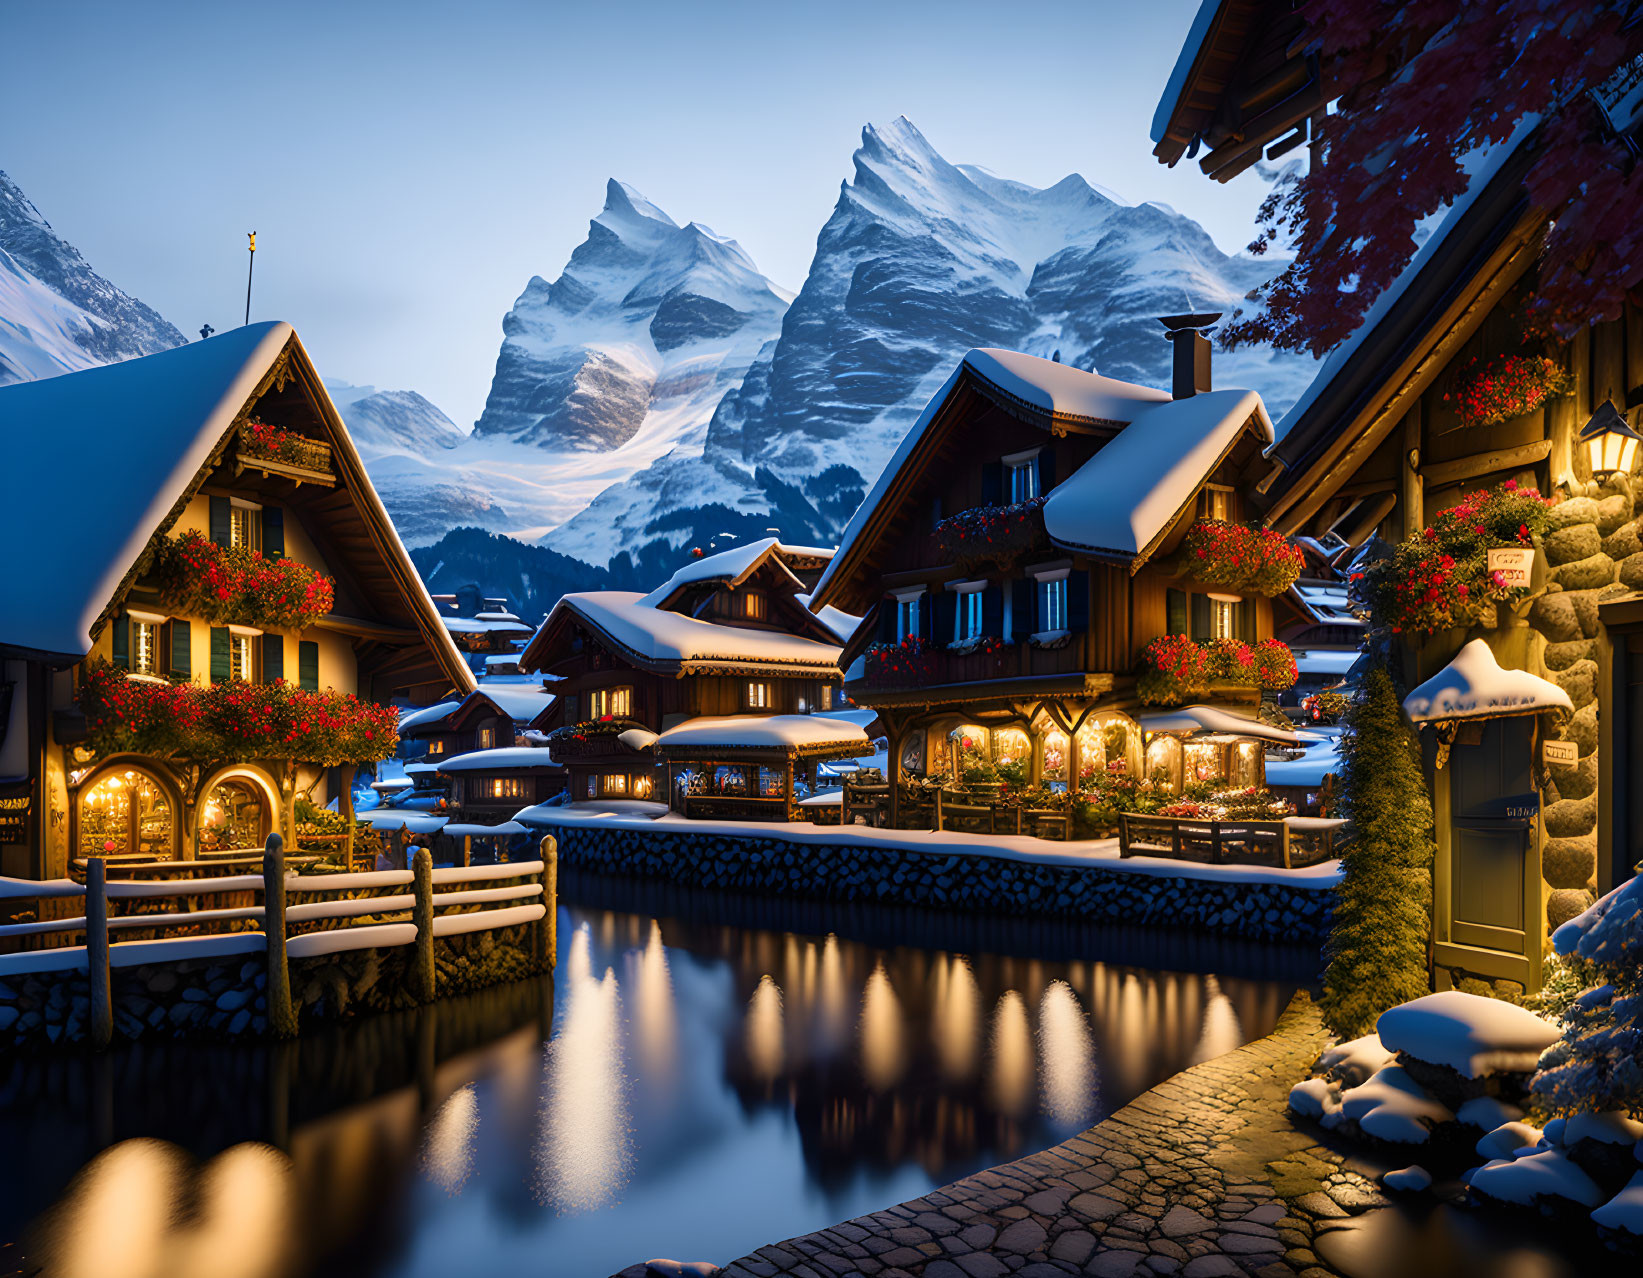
(409, 166)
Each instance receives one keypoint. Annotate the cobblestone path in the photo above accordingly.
(1204, 1175)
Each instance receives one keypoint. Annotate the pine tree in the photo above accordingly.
(1378, 946)
(1599, 1064)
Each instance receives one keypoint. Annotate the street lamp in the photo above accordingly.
(1610, 443)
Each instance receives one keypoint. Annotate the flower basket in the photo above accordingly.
(232, 722)
(912, 663)
(270, 443)
(222, 585)
(1485, 392)
(1250, 561)
(1175, 668)
(1442, 579)
(1000, 535)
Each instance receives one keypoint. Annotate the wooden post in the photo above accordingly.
(546, 943)
(100, 1024)
(422, 914)
(282, 1013)
(396, 848)
(894, 771)
(345, 805)
(467, 850)
(1412, 487)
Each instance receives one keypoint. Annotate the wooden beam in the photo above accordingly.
(1412, 487)
(1441, 474)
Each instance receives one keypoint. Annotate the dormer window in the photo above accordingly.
(1021, 475)
(753, 605)
(1215, 502)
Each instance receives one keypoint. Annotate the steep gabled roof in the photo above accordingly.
(99, 462)
(674, 643)
(730, 568)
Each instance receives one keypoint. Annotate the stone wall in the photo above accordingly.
(1593, 549)
(769, 864)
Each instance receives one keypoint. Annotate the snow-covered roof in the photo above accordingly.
(1326, 602)
(1177, 81)
(1193, 719)
(501, 759)
(764, 732)
(502, 659)
(1475, 686)
(1319, 760)
(734, 565)
(840, 622)
(498, 615)
(476, 626)
(656, 635)
(1125, 496)
(422, 768)
(1326, 661)
(139, 433)
(1483, 164)
(427, 715)
(521, 703)
(392, 783)
(637, 739)
(1061, 389)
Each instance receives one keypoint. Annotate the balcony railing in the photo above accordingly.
(283, 452)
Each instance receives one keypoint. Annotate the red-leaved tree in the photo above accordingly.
(1421, 86)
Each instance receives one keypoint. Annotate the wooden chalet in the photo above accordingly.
(727, 636)
(486, 719)
(1021, 550)
(100, 466)
(487, 787)
(1535, 805)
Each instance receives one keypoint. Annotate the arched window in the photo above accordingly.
(235, 815)
(127, 813)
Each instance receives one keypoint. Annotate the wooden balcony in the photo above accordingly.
(305, 461)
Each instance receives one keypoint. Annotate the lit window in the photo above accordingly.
(435, 749)
(507, 788)
(1221, 619)
(1052, 605)
(1215, 503)
(758, 696)
(1023, 475)
(593, 787)
(240, 660)
(487, 738)
(753, 605)
(642, 786)
(907, 617)
(616, 783)
(968, 624)
(241, 527)
(145, 658)
(615, 703)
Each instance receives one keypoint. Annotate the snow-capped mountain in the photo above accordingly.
(56, 313)
(920, 261)
(393, 421)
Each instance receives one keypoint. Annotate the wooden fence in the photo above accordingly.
(301, 916)
(1289, 843)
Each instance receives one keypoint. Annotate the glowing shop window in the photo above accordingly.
(507, 788)
(772, 783)
(487, 738)
(1055, 755)
(1248, 764)
(616, 783)
(1164, 762)
(643, 786)
(123, 814)
(1215, 503)
(232, 817)
(1012, 755)
(1204, 763)
(1109, 744)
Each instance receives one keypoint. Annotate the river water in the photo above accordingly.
(703, 1075)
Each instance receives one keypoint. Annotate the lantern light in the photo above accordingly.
(1610, 442)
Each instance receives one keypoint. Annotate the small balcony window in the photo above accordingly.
(907, 617)
(968, 624)
(616, 703)
(1022, 473)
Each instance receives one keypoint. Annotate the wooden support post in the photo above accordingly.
(345, 805)
(1412, 486)
(282, 1013)
(422, 914)
(546, 943)
(396, 848)
(100, 1024)
(467, 850)
(894, 776)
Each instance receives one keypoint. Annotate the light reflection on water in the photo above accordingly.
(707, 1087)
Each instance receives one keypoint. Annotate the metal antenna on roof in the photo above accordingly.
(251, 265)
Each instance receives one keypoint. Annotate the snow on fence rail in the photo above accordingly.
(302, 916)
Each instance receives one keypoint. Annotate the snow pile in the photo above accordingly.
(1351, 1063)
(1409, 1180)
(1607, 928)
(1624, 1212)
(1507, 1140)
(1487, 1113)
(1536, 1178)
(1393, 1107)
(1467, 1033)
(1475, 686)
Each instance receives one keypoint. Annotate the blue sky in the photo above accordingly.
(409, 166)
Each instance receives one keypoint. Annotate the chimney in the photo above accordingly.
(1189, 334)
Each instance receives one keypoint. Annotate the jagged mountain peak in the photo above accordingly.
(626, 205)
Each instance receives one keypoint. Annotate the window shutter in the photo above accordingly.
(1022, 605)
(926, 617)
(120, 639)
(221, 519)
(182, 655)
(945, 610)
(273, 532)
(992, 610)
(273, 658)
(1243, 621)
(220, 668)
(308, 665)
(1046, 470)
(992, 483)
(1200, 616)
(1176, 620)
(1078, 600)
(887, 619)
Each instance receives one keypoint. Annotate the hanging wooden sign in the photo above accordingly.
(1560, 754)
(1514, 564)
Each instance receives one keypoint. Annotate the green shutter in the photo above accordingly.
(221, 521)
(273, 658)
(121, 639)
(308, 665)
(181, 654)
(1200, 616)
(1175, 612)
(273, 532)
(220, 666)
